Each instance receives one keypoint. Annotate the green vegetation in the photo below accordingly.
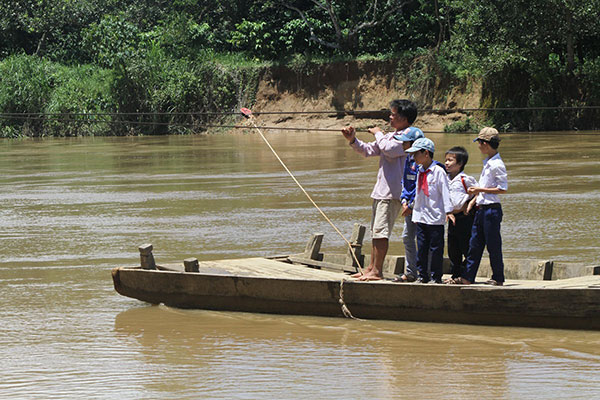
(167, 62)
(467, 125)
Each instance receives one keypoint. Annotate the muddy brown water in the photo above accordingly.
(71, 209)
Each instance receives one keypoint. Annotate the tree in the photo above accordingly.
(347, 20)
(44, 27)
(527, 34)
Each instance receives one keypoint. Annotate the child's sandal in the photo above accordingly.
(457, 281)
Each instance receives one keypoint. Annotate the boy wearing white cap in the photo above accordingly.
(486, 226)
(432, 208)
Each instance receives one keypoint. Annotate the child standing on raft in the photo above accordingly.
(431, 210)
(409, 187)
(459, 233)
(486, 226)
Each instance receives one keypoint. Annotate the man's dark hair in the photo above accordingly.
(493, 142)
(405, 108)
(461, 155)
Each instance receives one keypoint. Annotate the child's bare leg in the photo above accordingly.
(380, 248)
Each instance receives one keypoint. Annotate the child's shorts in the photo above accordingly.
(385, 213)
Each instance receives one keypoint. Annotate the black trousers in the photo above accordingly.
(459, 235)
(430, 249)
(486, 233)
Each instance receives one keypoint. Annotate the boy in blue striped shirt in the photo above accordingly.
(409, 187)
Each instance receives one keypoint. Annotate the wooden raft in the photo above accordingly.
(310, 283)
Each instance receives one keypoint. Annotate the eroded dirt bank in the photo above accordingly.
(355, 86)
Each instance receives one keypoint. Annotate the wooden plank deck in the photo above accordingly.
(267, 268)
(263, 268)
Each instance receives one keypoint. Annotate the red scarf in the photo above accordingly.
(423, 185)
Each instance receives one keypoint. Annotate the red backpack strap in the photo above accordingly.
(462, 179)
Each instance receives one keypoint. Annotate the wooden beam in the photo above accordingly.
(547, 267)
(356, 240)
(146, 257)
(322, 264)
(313, 247)
(593, 270)
(191, 265)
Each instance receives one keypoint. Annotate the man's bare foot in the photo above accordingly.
(370, 278)
(372, 275)
(365, 271)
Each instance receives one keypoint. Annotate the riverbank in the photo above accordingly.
(357, 86)
(156, 97)
(41, 98)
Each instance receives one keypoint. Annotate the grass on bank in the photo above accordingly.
(50, 97)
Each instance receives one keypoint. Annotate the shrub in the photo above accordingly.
(48, 98)
(466, 125)
(80, 90)
(152, 85)
(26, 82)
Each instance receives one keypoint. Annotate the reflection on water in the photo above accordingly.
(74, 208)
(360, 359)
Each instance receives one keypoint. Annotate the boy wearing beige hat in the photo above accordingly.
(486, 226)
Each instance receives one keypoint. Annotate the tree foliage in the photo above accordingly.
(482, 36)
(344, 22)
(526, 52)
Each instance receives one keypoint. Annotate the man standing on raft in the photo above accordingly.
(388, 188)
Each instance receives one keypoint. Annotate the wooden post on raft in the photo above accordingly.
(356, 240)
(191, 265)
(146, 257)
(313, 246)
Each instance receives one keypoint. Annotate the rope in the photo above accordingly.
(59, 117)
(204, 126)
(181, 124)
(337, 112)
(307, 195)
(345, 309)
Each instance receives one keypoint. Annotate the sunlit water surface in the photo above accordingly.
(74, 208)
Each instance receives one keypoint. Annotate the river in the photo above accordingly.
(72, 209)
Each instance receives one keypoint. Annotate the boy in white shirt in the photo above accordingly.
(432, 208)
(486, 226)
(459, 233)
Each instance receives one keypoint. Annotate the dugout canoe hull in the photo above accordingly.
(271, 286)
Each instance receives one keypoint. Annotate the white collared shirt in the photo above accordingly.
(493, 175)
(458, 193)
(432, 209)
